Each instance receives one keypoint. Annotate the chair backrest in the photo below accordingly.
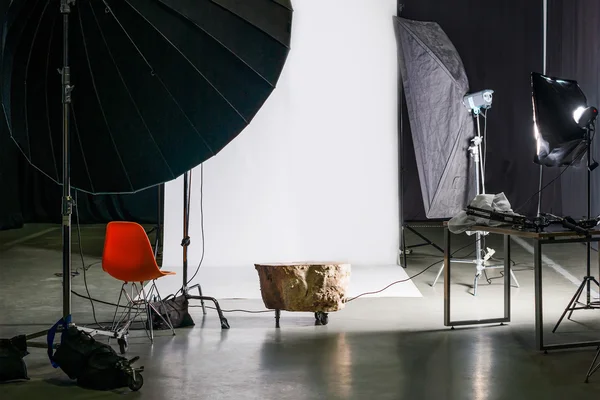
(128, 255)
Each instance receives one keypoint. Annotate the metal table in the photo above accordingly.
(539, 239)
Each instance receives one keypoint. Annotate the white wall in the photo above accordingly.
(315, 175)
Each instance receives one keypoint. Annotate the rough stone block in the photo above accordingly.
(304, 286)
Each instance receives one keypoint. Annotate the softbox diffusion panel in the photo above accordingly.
(435, 83)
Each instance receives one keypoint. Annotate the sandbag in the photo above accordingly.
(12, 366)
(177, 310)
(95, 365)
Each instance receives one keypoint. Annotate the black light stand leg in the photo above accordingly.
(588, 279)
(571, 306)
(594, 367)
(185, 243)
(403, 260)
(277, 317)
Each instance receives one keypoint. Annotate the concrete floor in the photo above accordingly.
(376, 348)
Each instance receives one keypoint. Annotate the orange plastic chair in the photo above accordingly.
(128, 254)
(128, 257)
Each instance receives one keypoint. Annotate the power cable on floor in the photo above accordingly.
(240, 311)
(201, 221)
(409, 278)
(83, 264)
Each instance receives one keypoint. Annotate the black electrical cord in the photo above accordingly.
(590, 154)
(484, 113)
(542, 189)
(83, 263)
(410, 277)
(201, 221)
(240, 311)
(269, 311)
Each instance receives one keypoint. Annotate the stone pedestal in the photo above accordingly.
(314, 287)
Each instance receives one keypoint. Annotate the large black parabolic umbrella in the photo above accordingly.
(159, 85)
(115, 96)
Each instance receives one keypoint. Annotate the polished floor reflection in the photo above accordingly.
(377, 348)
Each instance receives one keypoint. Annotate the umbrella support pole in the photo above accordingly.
(185, 244)
(67, 200)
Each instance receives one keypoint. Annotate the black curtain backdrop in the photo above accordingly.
(500, 43)
(574, 53)
(29, 196)
(26, 195)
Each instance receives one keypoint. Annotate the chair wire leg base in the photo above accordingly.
(158, 299)
(224, 322)
(140, 303)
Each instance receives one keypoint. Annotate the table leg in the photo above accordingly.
(539, 312)
(447, 256)
(507, 275)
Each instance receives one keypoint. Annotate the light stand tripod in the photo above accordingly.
(588, 279)
(185, 242)
(67, 202)
(482, 258)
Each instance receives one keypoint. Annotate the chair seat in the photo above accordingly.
(138, 276)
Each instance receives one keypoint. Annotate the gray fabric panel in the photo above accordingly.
(435, 82)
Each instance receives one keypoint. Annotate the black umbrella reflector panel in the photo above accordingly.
(160, 86)
(435, 83)
(556, 107)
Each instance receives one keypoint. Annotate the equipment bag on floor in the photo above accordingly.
(177, 310)
(95, 365)
(12, 366)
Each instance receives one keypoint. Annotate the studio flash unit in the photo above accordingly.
(476, 101)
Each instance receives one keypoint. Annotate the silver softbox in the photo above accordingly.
(435, 82)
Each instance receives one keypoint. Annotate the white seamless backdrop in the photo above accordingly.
(315, 175)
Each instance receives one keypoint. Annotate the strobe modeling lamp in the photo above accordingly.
(478, 101)
(561, 119)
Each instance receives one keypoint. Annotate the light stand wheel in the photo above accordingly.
(136, 381)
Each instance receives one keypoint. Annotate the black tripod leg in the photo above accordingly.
(574, 303)
(201, 301)
(277, 317)
(224, 323)
(200, 294)
(593, 367)
(570, 305)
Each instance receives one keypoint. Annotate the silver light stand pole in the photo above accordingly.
(481, 261)
(67, 200)
(477, 156)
